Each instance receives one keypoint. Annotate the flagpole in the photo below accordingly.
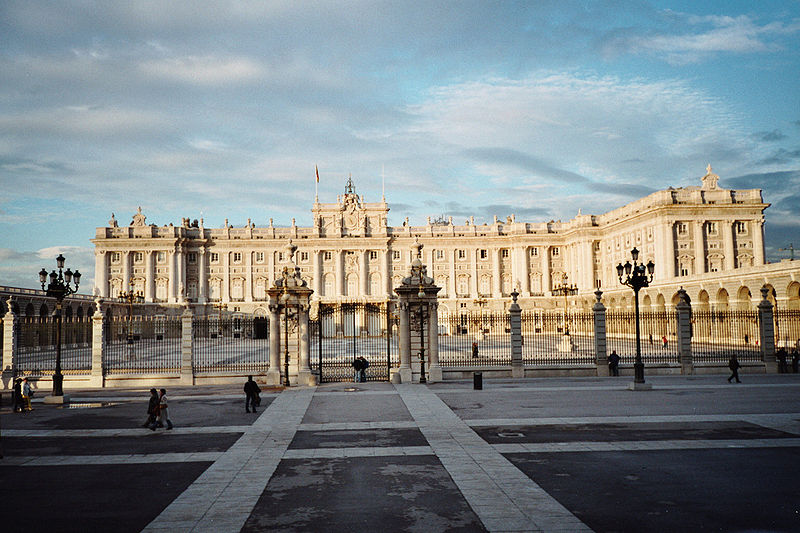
(316, 185)
(383, 183)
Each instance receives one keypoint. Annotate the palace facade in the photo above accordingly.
(696, 236)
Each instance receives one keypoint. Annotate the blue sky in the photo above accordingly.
(536, 108)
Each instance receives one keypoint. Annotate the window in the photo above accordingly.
(555, 251)
(327, 256)
(684, 271)
(741, 228)
(373, 255)
(280, 257)
(137, 257)
(259, 256)
(214, 257)
(237, 257)
(304, 257)
(534, 252)
(439, 254)
(396, 255)
(462, 254)
(682, 229)
(504, 253)
(484, 254)
(161, 257)
(191, 257)
(115, 257)
(712, 228)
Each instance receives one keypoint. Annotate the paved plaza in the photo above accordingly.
(584, 454)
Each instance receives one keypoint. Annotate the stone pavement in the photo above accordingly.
(584, 454)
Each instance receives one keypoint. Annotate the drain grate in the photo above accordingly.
(510, 434)
(87, 405)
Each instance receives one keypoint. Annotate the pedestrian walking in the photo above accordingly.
(362, 374)
(251, 395)
(357, 368)
(664, 340)
(613, 363)
(795, 360)
(26, 395)
(475, 349)
(734, 365)
(783, 368)
(746, 339)
(163, 410)
(152, 410)
(17, 396)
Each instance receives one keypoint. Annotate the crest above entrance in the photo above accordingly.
(351, 216)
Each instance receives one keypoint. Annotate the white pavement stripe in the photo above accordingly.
(65, 460)
(360, 392)
(222, 498)
(619, 386)
(653, 445)
(121, 432)
(502, 496)
(345, 452)
(146, 395)
(334, 426)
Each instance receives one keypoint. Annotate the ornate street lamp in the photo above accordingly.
(422, 312)
(289, 313)
(636, 276)
(567, 290)
(130, 297)
(220, 306)
(59, 288)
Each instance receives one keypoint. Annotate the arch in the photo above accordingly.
(351, 284)
(722, 300)
(793, 296)
(43, 310)
(744, 298)
(29, 310)
(660, 302)
(675, 299)
(79, 313)
(329, 285)
(647, 302)
(259, 312)
(485, 285)
(703, 303)
(375, 284)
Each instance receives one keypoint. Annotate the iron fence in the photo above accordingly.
(142, 345)
(552, 338)
(787, 328)
(237, 344)
(716, 335)
(658, 333)
(36, 345)
(475, 339)
(340, 333)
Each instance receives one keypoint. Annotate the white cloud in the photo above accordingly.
(82, 119)
(204, 70)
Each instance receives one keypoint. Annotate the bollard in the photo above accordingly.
(477, 380)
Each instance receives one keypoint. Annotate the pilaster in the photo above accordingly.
(600, 343)
(187, 372)
(684, 310)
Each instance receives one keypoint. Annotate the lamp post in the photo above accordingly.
(130, 297)
(567, 290)
(421, 315)
(481, 302)
(220, 306)
(284, 302)
(636, 276)
(59, 288)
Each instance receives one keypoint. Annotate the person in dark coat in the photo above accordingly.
(152, 410)
(358, 367)
(783, 368)
(474, 349)
(795, 361)
(613, 363)
(251, 395)
(17, 396)
(734, 365)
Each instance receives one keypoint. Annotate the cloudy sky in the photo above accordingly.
(538, 108)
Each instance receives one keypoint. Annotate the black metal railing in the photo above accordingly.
(716, 335)
(36, 349)
(553, 338)
(230, 344)
(142, 345)
(475, 339)
(658, 333)
(787, 328)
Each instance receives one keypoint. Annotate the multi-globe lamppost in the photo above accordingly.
(60, 287)
(636, 276)
(289, 314)
(422, 312)
(131, 297)
(565, 289)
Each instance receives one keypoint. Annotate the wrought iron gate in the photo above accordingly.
(340, 333)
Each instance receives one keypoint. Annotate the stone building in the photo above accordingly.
(705, 238)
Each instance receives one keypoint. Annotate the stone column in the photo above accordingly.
(364, 273)
(202, 289)
(519, 273)
(274, 372)
(149, 277)
(757, 227)
(515, 312)
(434, 370)
(546, 270)
(699, 248)
(126, 270)
(451, 290)
(600, 345)
(97, 377)
(317, 259)
(187, 372)
(404, 342)
(248, 280)
(684, 310)
(496, 283)
(386, 272)
(304, 375)
(339, 269)
(101, 273)
(9, 344)
(172, 287)
(669, 251)
(727, 243)
(225, 293)
(766, 332)
(474, 281)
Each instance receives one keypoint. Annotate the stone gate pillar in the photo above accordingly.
(10, 330)
(600, 343)
(515, 312)
(766, 332)
(289, 300)
(419, 323)
(684, 309)
(97, 378)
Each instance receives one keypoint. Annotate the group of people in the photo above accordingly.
(157, 410)
(783, 365)
(360, 366)
(22, 395)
